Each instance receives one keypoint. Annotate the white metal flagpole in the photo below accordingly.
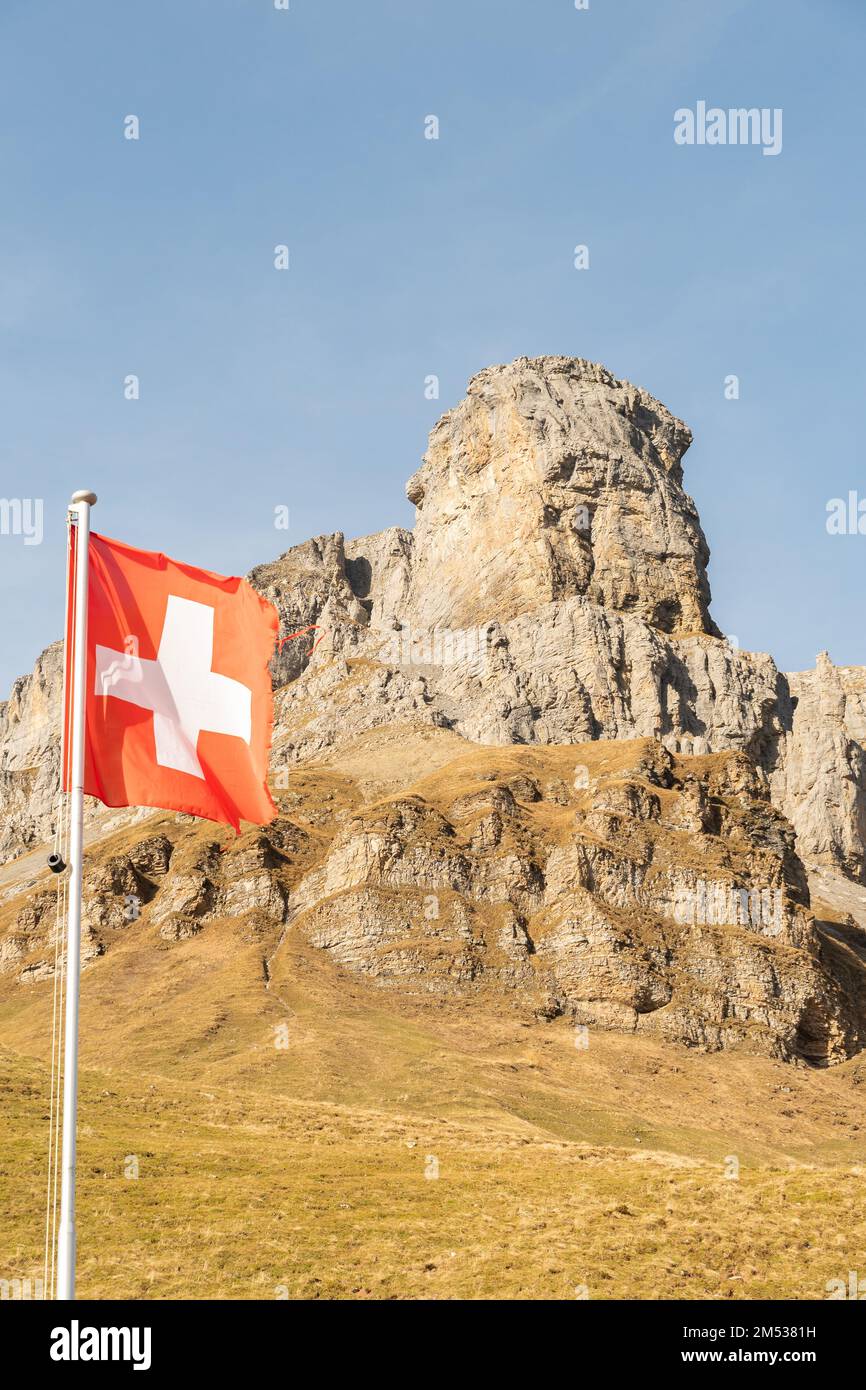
(80, 504)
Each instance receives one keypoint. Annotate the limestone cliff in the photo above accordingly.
(553, 479)
(552, 594)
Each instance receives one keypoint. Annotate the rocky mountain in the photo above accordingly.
(515, 757)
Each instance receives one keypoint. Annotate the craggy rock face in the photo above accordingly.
(554, 590)
(610, 883)
(621, 891)
(554, 479)
(552, 594)
(821, 779)
(30, 754)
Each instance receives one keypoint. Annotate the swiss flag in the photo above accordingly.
(179, 708)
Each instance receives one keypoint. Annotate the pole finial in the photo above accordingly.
(84, 495)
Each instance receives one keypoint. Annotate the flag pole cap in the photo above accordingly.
(83, 496)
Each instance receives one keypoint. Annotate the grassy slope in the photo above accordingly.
(267, 1171)
(303, 1169)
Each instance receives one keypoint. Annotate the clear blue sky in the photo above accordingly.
(411, 257)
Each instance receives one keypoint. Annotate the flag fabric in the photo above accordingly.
(179, 709)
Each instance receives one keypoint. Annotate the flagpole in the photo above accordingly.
(80, 503)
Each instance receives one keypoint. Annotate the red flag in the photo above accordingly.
(179, 708)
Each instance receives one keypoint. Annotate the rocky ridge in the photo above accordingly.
(552, 606)
(609, 882)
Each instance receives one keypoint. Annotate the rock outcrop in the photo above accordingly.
(821, 777)
(553, 593)
(30, 755)
(610, 883)
(553, 479)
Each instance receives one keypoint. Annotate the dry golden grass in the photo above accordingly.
(300, 1171)
(406, 1146)
(246, 1196)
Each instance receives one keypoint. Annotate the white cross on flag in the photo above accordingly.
(179, 707)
